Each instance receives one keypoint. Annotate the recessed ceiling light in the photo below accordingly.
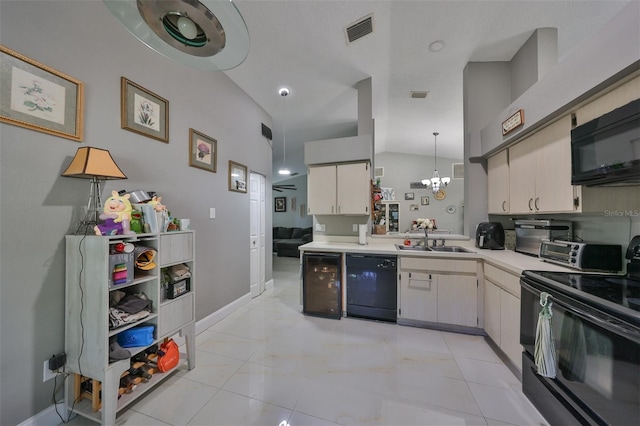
(436, 46)
(284, 91)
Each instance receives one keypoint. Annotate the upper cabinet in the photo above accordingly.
(540, 171)
(339, 189)
(498, 181)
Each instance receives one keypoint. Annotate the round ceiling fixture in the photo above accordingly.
(206, 34)
(436, 46)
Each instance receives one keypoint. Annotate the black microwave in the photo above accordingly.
(606, 150)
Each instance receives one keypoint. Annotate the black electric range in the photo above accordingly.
(616, 294)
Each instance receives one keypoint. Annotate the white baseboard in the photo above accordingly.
(222, 313)
(268, 285)
(48, 416)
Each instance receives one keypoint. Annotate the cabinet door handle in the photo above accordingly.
(503, 206)
(536, 203)
(530, 200)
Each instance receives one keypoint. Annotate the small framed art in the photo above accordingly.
(143, 112)
(424, 201)
(280, 204)
(237, 177)
(202, 151)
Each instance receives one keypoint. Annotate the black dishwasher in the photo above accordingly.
(372, 290)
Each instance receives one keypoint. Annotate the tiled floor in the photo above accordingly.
(267, 364)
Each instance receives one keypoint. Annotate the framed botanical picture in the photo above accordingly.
(409, 195)
(237, 177)
(413, 207)
(424, 201)
(202, 151)
(280, 204)
(37, 97)
(143, 112)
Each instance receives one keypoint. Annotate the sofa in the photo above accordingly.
(287, 240)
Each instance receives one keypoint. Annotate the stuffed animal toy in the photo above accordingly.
(157, 206)
(116, 215)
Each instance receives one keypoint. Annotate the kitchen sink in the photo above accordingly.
(412, 248)
(451, 249)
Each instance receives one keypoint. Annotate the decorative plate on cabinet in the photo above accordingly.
(440, 195)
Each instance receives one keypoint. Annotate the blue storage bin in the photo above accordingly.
(136, 336)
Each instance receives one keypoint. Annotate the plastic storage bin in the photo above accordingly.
(136, 336)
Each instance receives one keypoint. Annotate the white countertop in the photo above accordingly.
(506, 259)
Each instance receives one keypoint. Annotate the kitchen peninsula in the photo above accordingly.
(474, 292)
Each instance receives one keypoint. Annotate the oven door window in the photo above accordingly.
(599, 369)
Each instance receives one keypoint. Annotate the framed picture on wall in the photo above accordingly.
(280, 204)
(202, 151)
(409, 195)
(424, 201)
(37, 97)
(237, 177)
(143, 112)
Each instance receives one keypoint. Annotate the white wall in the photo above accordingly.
(85, 41)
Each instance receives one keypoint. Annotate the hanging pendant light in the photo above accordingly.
(436, 182)
(284, 92)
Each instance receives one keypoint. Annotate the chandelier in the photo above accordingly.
(436, 182)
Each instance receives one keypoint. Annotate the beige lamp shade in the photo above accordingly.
(90, 162)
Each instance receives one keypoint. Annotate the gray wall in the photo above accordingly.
(485, 93)
(533, 60)
(85, 41)
(292, 218)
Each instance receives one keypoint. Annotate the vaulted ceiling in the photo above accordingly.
(301, 44)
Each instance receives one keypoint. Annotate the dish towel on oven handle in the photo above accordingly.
(545, 352)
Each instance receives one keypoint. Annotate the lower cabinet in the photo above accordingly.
(502, 311)
(418, 296)
(441, 291)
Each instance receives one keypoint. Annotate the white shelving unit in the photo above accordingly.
(87, 333)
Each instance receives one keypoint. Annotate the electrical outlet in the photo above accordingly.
(355, 227)
(46, 373)
(320, 227)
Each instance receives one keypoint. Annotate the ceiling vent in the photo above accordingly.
(359, 29)
(419, 94)
(457, 171)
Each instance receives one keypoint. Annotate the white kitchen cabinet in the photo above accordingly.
(438, 291)
(510, 327)
(92, 264)
(458, 299)
(502, 311)
(540, 171)
(492, 310)
(339, 189)
(498, 182)
(321, 190)
(418, 296)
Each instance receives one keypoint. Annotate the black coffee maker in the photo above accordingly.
(633, 255)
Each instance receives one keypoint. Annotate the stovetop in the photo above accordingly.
(618, 289)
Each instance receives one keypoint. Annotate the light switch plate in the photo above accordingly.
(212, 213)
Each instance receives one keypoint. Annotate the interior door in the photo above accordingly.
(254, 235)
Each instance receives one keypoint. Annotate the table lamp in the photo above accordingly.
(97, 165)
